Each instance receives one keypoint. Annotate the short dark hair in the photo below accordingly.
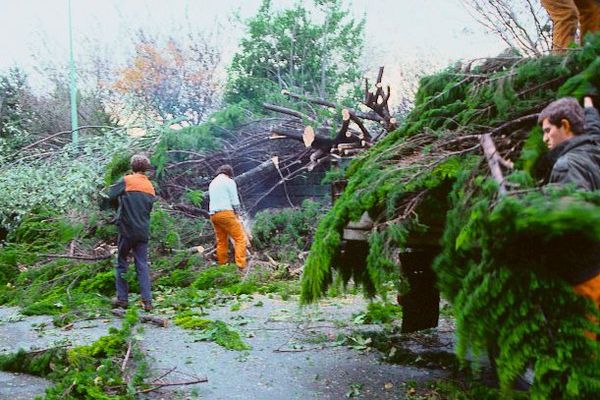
(566, 108)
(140, 163)
(225, 169)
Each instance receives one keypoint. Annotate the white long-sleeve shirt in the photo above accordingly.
(223, 194)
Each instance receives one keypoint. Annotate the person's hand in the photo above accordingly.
(587, 102)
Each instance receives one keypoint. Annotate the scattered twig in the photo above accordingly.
(144, 318)
(87, 258)
(160, 385)
(39, 351)
(124, 365)
(71, 285)
(165, 374)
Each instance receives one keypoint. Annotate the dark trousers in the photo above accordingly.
(140, 255)
(421, 305)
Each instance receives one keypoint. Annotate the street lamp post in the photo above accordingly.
(73, 87)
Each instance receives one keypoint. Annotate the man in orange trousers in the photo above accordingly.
(224, 208)
(566, 14)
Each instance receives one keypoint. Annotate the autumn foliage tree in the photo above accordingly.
(171, 80)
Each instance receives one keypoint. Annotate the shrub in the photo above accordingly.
(285, 233)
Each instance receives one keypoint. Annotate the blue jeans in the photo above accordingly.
(140, 255)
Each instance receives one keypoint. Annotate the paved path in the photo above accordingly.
(296, 353)
(21, 386)
(294, 356)
(38, 332)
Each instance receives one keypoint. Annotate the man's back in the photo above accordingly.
(137, 196)
(222, 193)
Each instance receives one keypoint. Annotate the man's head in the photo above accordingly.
(561, 120)
(140, 163)
(225, 169)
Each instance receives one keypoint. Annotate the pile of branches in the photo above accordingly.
(266, 153)
(352, 136)
(471, 142)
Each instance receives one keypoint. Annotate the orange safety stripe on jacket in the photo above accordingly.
(138, 183)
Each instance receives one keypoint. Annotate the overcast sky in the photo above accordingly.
(397, 31)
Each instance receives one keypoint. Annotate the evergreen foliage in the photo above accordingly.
(379, 313)
(216, 331)
(500, 257)
(117, 168)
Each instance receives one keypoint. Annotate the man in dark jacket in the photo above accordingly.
(135, 196)
(572, 134)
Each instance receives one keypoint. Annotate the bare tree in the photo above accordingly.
(522, 24)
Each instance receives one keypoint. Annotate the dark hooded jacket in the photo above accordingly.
(577, 160)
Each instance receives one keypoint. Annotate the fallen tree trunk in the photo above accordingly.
(265, 166)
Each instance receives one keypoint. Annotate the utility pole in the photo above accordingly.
(73, 87)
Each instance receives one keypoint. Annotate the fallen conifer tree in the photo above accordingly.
(498, 243)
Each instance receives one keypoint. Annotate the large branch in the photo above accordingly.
(513, 124)
(365, 133)
(308, 137)
(287, 111)
(359, 114)
(494, 160)
(378, 102)
(50, 137)
(263, 167)
(190, 210)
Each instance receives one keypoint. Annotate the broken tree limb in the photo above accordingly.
(316, 159)
(278, 133)
(40, 351)
(247, 176)
(144, 318)
(359, 114)
(73, 257)
(361, 126)
(308, 136)
(191, 210)
(126, 359)
(287, 111)
(378, 102)
(343, 131)
(158, 378)
(492, 157)
(351, 152)
(512, 125)
(160, 385)
(54, 135)
(380, 75)
(344, 146)
(317, 142)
